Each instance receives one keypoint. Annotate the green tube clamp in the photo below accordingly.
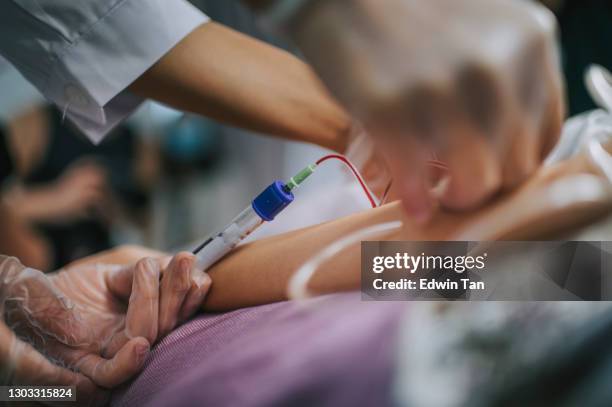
(297, 179)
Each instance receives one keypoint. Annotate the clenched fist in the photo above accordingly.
(477, 82)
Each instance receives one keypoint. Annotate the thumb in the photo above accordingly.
(408, 166)
(475, 173)
(415, 196)
(110, 373)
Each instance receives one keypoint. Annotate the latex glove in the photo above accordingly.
(101, 319)
(476, 82)
(23, 365)
(183, 287)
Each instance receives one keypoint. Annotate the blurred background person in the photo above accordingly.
(18, 237)
(66, 189)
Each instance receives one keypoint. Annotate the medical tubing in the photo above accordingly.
(383, 200)
(354, 171)
(434, 162)
(297, 287)
(263, 208)
(599, 85)
(300, 177)
(600, 158)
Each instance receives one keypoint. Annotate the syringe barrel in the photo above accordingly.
(221, 244)
(269, 203)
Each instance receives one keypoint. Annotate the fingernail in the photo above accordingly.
(440, 188)
(150, 267)
(421, 214)
(202, 280)
(417, 206)
(185, 265)
(151, 263)
(141, 351)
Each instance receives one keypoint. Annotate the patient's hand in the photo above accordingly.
(555, 201)
(101, 319)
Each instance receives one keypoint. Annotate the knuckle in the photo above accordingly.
(147, 267)
(10, 266)
(543, 20)
(470, 192)
(181, 256)
(127, 250)
(181, 285)
(142, 266)
(519, 173)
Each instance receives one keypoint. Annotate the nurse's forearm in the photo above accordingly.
(225, 75)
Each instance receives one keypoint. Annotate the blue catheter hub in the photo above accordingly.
(272, 201)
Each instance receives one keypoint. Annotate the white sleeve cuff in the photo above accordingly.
(90, 76)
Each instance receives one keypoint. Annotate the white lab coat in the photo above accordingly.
(83, 54)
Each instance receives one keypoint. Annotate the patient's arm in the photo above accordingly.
(557, 199)
(258, 272)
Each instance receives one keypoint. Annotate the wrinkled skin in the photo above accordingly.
(21, 364)
(100, 319)
(477, 82)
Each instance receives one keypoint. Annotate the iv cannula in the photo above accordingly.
(264, 208)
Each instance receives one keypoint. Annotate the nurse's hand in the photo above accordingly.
(97, 318)
(475, 81)
(25, 366)
(182, 288)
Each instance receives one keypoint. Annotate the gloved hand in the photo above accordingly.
(476, 82)
(101, 319)
(22, 364)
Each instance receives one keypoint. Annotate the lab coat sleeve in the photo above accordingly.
(83, 54)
